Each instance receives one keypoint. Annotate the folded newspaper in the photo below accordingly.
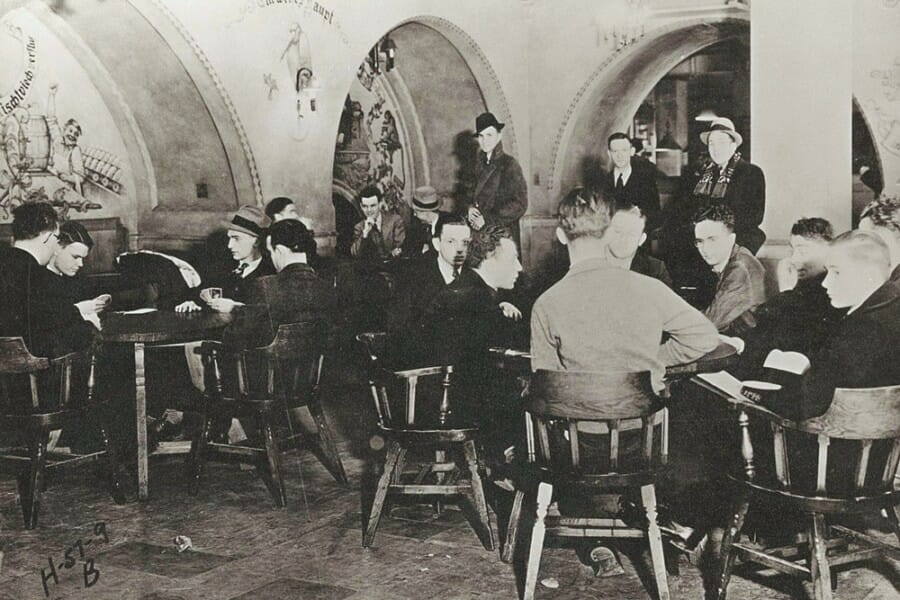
(789, 362)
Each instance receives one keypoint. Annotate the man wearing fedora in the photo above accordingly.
(246, 236)
(498, 195)
(425, 205)
(729, 179)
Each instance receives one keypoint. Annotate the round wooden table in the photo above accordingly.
(155, 328)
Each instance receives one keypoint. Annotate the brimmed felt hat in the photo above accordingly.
(485, 120)
(425, 198)
(249, 219)
(724, 125)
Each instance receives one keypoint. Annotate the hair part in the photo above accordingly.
(864, 247)
(813, 228)
(485, 244)
(719, 213)
(884, 212)
(294, 236)
(276, 205)
(32, 219)
(584, 213)
(370, 191)
(617, 136)
(73, 232)
(445, 219)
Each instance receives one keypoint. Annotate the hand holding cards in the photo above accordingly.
(210, 293)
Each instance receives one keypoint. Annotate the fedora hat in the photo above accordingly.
(724, 125)
(425, 198)
(249, 219)
(485, 120)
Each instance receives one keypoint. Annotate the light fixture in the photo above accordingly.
(706, 114)
(389, 48)
(622, 22)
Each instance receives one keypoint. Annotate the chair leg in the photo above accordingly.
(112, 467)
(197, 457)
(326, 440)
(484, 531)
(544, 495)
(395, 454)
(657, 556)
(742, 505)
(274, 478)
(31, 484)
(818, 561)
(512, 529)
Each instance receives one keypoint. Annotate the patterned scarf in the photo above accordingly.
(716, 189)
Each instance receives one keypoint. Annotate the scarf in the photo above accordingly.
(716, 189)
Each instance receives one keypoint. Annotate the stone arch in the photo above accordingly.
(614, 91)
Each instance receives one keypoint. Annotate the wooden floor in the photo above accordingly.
(245, 548)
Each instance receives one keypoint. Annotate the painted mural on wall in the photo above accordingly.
(41, 154)
(369, 145)
(884, 110)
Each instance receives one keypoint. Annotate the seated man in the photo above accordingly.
(50, 323)
(603, 318)
(741, 278)
(800, 319)
(425, 205)
(246, 232)
(861, 351)
(295, 294)
(882, 217)
(426, 276)
(380, 235)
(625, 237)
(281, 208)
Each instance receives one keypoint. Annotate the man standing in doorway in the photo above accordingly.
(632, 180)
(499, 194)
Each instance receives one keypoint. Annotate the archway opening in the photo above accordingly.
(403, 127)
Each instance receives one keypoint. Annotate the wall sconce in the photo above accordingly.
(307, 91)
(706, 115)
(389, 48)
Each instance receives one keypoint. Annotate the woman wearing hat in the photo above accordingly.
(498, 195)
(729, 179)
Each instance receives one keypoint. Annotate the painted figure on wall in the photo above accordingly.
(65, 161)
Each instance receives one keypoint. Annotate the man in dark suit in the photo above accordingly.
(294, 294)
(425, 205)
(380, 234)
(632, 179)
(498, 195)
(626, 235)
(246, 232)
(50, 325)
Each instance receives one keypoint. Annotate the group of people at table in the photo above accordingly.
(615, 308)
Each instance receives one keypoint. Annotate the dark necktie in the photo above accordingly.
(716, 173)
(239, 270)
(620, 183)
(455, 272)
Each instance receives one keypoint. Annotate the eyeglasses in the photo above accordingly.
(55, 236)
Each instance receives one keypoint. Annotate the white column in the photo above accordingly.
(801, 103)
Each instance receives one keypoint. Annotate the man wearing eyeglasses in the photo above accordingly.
(741, 278)
(49, 326)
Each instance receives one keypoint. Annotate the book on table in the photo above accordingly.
(778, 361)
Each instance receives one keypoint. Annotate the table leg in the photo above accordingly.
(140, 394)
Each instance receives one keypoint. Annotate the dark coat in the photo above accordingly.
(640, 189)
(418, 237)
(645, 264)
(238, 288)
(499, 190)
(379, 244)
(294, 295)
(420, 282)
(49, 323)
(798, 320)
(860, 354)
(746, 197)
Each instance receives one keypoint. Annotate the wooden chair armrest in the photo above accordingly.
(755, 410)
(206, 347)
(420, 372)
(66, 359)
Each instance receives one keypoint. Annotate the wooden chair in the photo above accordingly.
(868, 418)
(267, 382)
(36, 397)
(446, 434)
(558, 402)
